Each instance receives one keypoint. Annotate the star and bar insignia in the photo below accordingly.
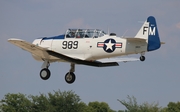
(109, 45)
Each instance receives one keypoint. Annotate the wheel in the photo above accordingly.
(45, 74)
(70, 77)
(142, 58)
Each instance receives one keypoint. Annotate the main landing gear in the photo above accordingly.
(70, 76)
(45, 73)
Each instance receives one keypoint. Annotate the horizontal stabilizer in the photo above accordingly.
(136, 39)
(118, 60)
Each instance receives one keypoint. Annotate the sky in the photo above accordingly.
(154, 80)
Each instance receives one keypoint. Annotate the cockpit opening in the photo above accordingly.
(84, 33)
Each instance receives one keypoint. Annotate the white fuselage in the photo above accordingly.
(90, 48)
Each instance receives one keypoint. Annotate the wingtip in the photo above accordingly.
(14, 39)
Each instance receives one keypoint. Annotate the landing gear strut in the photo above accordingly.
(70, 76)
(45, 72)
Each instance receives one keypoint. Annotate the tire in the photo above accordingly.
(70, 77)
(142, 58)
(45, 74)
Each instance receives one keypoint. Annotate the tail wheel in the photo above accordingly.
(45, 74)
(70, 77)
(142, 58)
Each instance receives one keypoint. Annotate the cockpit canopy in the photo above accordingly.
(84, 33)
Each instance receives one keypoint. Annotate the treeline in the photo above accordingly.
(68, 101)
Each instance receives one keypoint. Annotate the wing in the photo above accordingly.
(39, 51)
(34, 49)
(43, 52)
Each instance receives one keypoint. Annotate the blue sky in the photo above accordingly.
(155, 80)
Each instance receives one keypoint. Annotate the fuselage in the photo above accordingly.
(91, 48)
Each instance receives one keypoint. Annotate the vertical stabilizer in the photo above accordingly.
(149, 31)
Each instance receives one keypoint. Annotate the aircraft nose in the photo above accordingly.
(37, 42)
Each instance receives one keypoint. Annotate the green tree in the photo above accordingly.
(66, 101)
(15, 103)
(58, 101)
(133, 106)
(173, 107)
(40, 104)
(99, 107)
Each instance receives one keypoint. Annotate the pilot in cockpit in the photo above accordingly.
(72, 34)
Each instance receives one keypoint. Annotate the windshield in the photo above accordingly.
(84, 33)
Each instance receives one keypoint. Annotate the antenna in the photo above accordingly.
(140, 21)
(124, 33)
(108, 30)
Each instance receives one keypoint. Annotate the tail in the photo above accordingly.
(149, 31)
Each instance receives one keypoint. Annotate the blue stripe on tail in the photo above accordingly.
(153, 38)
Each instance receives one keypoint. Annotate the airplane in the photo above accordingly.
(92, 47)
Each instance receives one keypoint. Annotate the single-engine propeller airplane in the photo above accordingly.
(91, 47)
